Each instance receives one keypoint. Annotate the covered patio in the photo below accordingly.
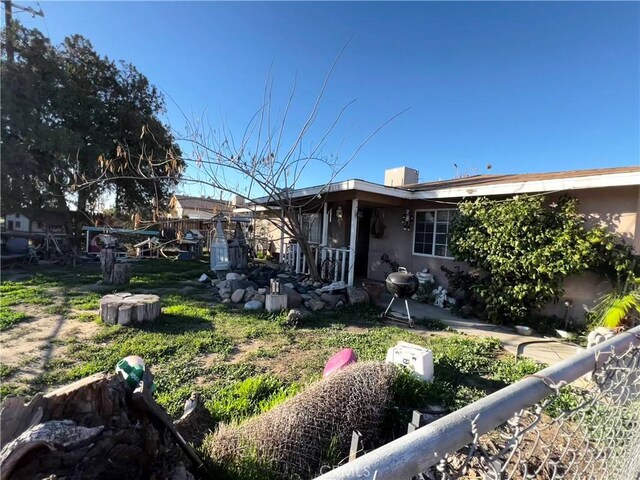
(339, 226)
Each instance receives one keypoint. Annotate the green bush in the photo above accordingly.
(525, 249)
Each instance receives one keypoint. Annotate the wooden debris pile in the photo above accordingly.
(90, 430)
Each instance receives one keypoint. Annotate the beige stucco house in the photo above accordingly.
(354, 222)
(196, 208)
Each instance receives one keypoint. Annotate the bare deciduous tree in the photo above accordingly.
(260, 164)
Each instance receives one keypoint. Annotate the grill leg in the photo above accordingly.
(388, 307)
(406, 304)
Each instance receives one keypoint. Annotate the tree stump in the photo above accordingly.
(121, 273)
(113, 273)
(125, 308)
(107, 261)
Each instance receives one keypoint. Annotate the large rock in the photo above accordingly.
(332, 301)
(254, 305)
(262, 275)
(224, 289)
(238, 295)
(249, 293)
(314, 305)
(233, 276)
(294, 299)
(357, 295)
(295, 315)
(236, 284)
(257, 297)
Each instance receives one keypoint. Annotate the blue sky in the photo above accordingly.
(525, 87)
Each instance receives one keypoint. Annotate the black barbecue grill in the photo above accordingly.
(401, 284)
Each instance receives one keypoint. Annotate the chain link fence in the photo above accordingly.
(579, 419)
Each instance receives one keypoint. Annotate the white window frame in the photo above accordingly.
(435, 231)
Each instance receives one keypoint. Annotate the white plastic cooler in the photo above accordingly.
(414, 357)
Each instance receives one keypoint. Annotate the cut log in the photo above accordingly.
(111, 314)
(124, 314)
(275, 302)
(55, 435)
(132, 308)
(107, 261)
(121, 273)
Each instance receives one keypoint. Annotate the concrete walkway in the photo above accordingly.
(549, 353)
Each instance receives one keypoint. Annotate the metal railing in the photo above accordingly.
(332, 262)
(579, 419)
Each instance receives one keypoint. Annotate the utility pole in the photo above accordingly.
(8, 15)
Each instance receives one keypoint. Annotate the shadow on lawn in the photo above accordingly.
(177, 324)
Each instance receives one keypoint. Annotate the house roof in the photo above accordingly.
(483, 180)
(486, 185)
(200, 203)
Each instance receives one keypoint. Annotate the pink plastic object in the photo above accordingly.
(340, 360)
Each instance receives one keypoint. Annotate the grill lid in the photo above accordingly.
(402, 284)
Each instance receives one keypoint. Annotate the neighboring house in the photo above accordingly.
(16, 222)
(40, 222)
(196, 208)
(356, 222)
(48, 221)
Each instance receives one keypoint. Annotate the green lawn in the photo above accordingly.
(242, 363)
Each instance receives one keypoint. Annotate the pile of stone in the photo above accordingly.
(250, 289)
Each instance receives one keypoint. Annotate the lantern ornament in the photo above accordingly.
(407, 220)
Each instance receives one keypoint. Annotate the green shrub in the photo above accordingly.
(526, 249)
(425, 293)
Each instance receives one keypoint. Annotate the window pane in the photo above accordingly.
(443, 215)
(428, 217)
(441, 250)
(441, 238)
(423, 238)
(442, 228)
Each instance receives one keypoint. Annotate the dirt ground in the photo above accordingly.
(30, 346)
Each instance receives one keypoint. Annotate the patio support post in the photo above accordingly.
(282, 252)
(88, 240)
(352, 240)
(325, 236)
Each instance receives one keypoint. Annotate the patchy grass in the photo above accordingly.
(6, 371)
(84, 301)
(16, 293)
(248, 397)
(10, 317)
(86, 317)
